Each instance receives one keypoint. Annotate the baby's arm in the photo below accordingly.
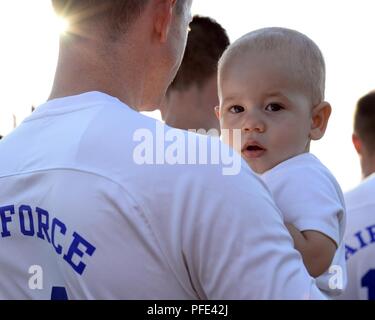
(317, 249)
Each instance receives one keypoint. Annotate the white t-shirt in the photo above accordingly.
(360, 241)
(75, 204)
(310, 198)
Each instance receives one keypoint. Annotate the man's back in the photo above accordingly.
(359, 241)
(75, 202)
(81, 175)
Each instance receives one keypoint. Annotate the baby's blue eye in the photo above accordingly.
(236, 109)
(274, 107)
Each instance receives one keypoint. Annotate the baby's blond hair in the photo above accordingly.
(302, 53)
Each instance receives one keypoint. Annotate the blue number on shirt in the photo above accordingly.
(59, 293)
(368, 281)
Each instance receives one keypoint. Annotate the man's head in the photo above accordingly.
(364, 133)
(126, 37)
(196, 80)
(115, 15)
(271, 87)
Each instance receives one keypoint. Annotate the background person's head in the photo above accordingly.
(271, 87)
(127, 48)
(192, 96)
(364, 133)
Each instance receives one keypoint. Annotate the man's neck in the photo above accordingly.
(368, 166)
(89, 66)
(188, 112)
(190, 109)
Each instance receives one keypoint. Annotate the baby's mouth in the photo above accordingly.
(253, 151)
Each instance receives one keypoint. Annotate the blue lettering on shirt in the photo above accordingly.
(57, 223)
(5, 219)
(26, 211)
(43, 224)
(75, 251)
(359, 241)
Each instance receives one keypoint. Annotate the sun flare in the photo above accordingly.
(62, 25)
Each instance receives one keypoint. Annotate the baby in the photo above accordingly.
(271, 88)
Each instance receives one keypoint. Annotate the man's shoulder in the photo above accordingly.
(135, 146)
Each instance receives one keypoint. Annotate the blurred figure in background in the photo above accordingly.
(191, 98)
(364, 133)
(360, 202)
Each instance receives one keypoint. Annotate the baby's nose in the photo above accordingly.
(253, 124)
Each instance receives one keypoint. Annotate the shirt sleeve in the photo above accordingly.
(308, 198)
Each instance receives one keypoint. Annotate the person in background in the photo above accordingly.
(360, 202)
(192, 97)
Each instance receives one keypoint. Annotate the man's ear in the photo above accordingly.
(217, 112)
(319, 120)
(357, 143)
(163, 18)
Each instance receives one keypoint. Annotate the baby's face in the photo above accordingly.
(260, 95)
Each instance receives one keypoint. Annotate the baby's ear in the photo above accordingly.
(319, 120)
(217, 112)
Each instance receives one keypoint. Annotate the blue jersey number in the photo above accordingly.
(59, 293)
(368, 281)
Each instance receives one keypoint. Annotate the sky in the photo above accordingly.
(343, 29)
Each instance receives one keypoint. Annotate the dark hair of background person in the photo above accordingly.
(206, 43)
(364, 120)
